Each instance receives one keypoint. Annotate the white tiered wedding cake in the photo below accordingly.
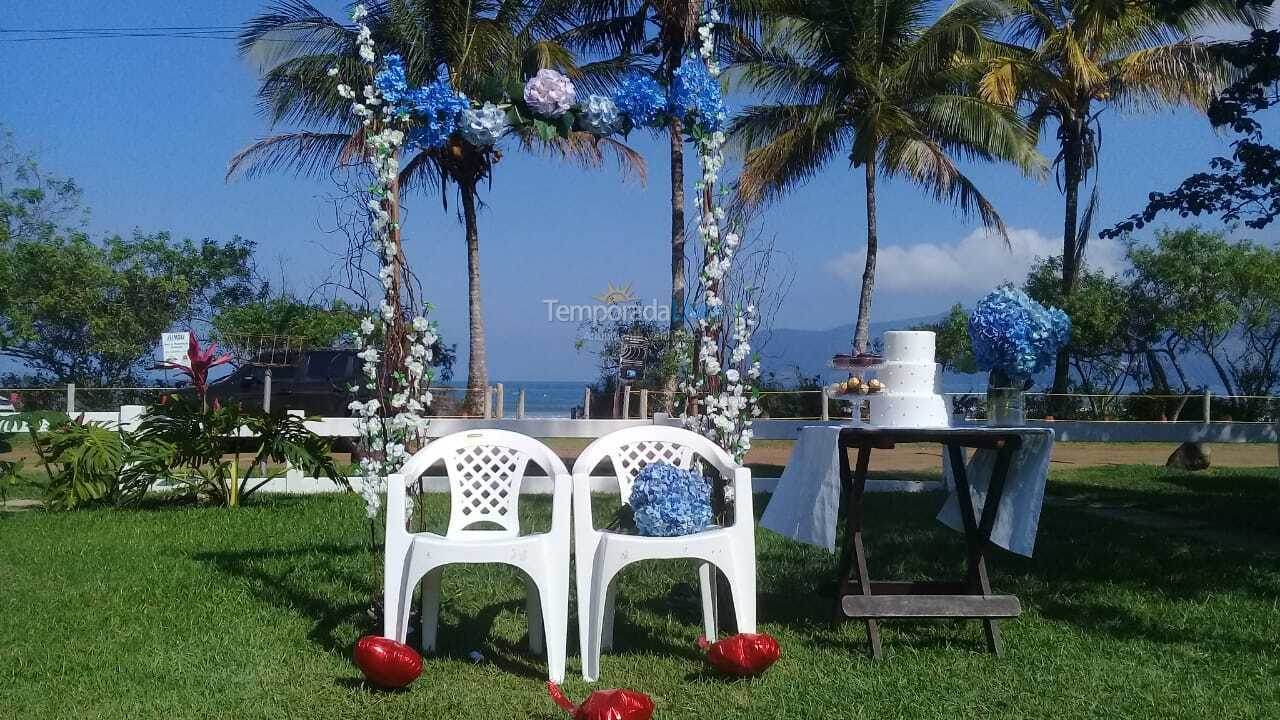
(912, 383)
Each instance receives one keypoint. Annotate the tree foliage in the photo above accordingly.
(952, 347)
(76, 309)
(1220, 298)
(312, 325)
(1245, 186)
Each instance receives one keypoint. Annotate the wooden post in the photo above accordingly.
(826, 412)
(644, 404)
(586, 403)
(1208, 413)
(500, 401)
(520, 404)
(626, 401)
(71, 399)
(266, 391)
(488, 402)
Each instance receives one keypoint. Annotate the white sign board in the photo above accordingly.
(174, 346)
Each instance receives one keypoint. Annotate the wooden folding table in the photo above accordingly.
(860, 597)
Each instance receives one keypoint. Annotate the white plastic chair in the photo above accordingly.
(601, 554)
(485, 470)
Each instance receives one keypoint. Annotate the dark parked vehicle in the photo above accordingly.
(318, 382)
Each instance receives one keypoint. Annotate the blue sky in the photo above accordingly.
(147, 127)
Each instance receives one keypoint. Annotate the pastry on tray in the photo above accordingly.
(861, 360)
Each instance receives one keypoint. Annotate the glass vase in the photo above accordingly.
(1005, 406)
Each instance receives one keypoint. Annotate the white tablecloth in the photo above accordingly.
(806, 503)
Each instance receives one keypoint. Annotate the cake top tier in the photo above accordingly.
(913, 346)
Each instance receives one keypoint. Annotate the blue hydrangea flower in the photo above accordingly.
(667, 501)
(600, 116)
(1014, 335)
(693, 90)
(391, 81)
(640, 98)
(485, 125)
(437, 107)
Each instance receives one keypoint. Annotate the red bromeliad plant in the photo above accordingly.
(199, 362)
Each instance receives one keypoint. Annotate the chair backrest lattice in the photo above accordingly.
(630, 458)
(484, 483)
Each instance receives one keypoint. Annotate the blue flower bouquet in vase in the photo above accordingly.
(1014, 337)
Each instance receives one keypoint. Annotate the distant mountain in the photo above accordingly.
(787, 350)
(808, 351)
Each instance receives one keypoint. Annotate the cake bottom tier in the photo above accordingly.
(909, 411)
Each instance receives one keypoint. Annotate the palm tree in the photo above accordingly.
(474, 43)
(653, 36)
(1069, 60)
(878, 82)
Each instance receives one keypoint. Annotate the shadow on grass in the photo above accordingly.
(299, 579)
(1081, 573)
(296, 579)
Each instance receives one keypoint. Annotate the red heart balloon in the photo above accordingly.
(606, 704)
(387, 663)
(744, 655)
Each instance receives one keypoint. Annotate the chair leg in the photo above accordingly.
(534, 604)
(601, 580)
(554, 595)
(584, 565)
(707, 577)
(430, 609)
(610, 608)
(741, 574)
(393, 607)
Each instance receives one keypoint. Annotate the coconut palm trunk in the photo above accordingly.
(1073, 175)
(862, 333)
(477, 372)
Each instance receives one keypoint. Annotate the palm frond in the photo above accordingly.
(588, 152)
(785, 145)
(306, 154)
(929, 166)
(1187, 73)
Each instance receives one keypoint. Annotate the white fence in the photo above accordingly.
(770, 429)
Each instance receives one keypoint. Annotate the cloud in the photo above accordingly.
(969, 266)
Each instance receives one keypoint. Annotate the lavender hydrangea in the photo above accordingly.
(549, 93)
(485, 125)
(391, 81)
(693, 90)
(599, 116)
(1014, 335)
(668, 501)
(438, 107)
(640, 98)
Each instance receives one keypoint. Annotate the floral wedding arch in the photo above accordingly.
(717, 390)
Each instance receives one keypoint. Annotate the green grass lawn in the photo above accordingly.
(174, 612)
(1228, 498)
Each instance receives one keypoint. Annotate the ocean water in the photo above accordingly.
(543, 399)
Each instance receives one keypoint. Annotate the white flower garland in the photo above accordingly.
(395, 422)
(723, 408)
